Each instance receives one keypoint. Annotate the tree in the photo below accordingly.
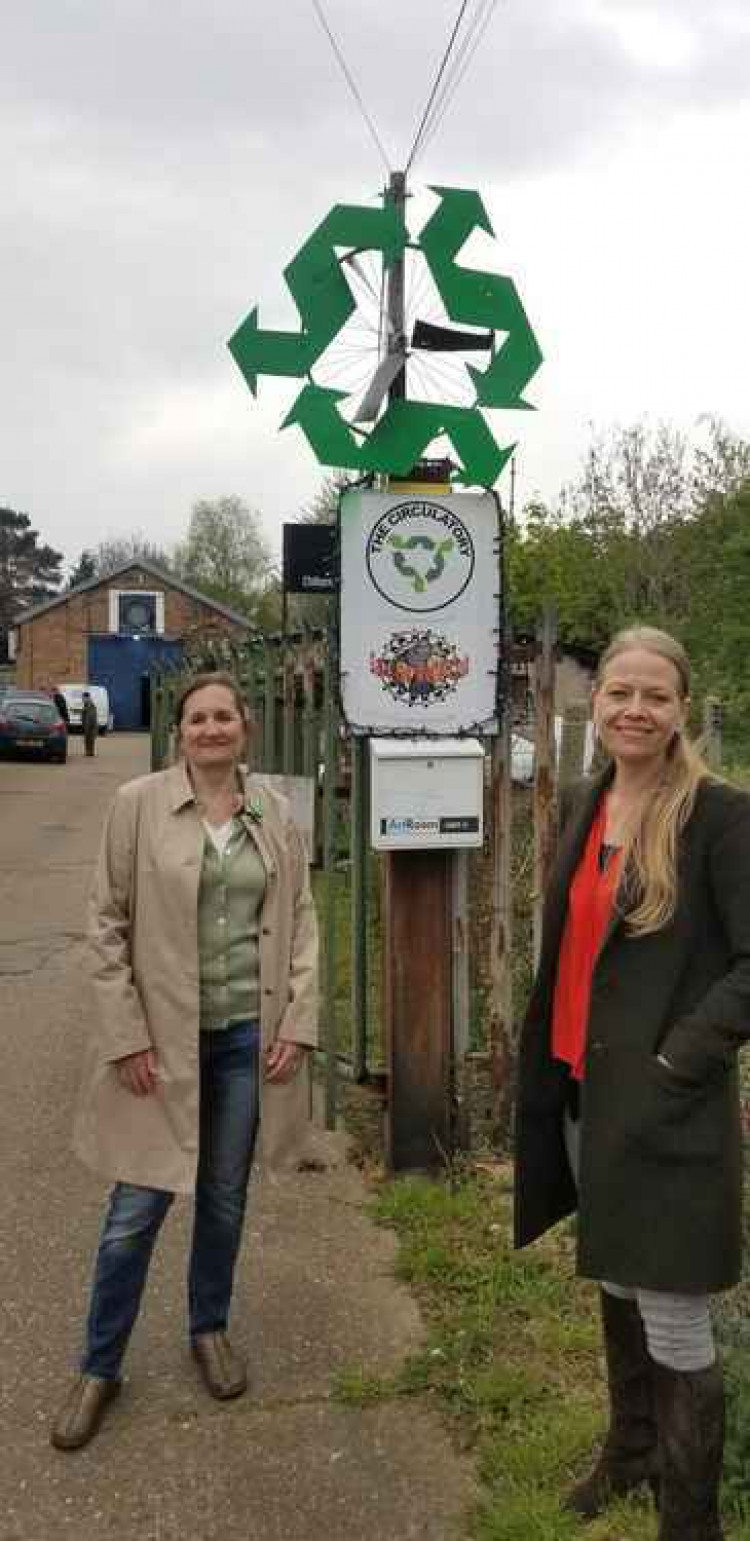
(721, 465)
(226, 554)
(83, 570)
(120, 549)
(716, 553)
(635, 490)
(29, 573)
(324, 507)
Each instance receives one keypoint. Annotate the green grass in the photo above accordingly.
(513, 1356)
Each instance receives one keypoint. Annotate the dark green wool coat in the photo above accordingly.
(660, 1186)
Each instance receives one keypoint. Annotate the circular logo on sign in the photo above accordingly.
(420, 556)
(419, 668)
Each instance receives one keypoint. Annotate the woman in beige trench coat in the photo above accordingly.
(203, 953)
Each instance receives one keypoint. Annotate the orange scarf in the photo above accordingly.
(590, 904)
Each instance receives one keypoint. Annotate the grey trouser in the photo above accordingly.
(677, 1327)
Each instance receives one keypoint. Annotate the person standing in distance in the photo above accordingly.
(628, 1099)
(203, 948)
(89, 724)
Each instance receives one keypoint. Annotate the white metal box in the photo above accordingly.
(426, 794)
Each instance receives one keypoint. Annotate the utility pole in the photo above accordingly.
(396, 195)
(417, 930)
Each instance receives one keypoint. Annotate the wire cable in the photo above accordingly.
(461, 67)
(351, 82)
(436, 84)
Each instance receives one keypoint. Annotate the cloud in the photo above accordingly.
(162, 163)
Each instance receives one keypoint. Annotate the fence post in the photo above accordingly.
(157, 717)
(544, 772)
(310, 747)
(501, 1026)
(269, 707)
(713, 722)
(570, 762)
(289, 688)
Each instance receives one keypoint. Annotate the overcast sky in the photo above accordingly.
(161, 163)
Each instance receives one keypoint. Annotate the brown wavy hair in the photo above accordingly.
(651, 848)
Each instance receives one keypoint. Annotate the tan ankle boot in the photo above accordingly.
(222, 1370)
(82, 1411)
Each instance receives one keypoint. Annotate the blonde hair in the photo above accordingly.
(651, 849)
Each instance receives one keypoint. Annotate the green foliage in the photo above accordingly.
(737, 1455)
(226, 554)
(656, 530)
(83, 570)
(513, 1352)
(29, 573)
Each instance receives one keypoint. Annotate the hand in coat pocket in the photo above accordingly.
(139, 1073)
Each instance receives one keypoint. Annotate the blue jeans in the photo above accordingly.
(229, 1102)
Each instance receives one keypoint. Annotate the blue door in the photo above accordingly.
(123, 665)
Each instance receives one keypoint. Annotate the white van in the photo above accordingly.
(74, 701)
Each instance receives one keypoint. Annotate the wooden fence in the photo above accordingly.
(290, 684)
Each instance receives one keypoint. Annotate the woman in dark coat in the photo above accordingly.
(628, 1101)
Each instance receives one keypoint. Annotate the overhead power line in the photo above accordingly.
(351, 82)
(436, 84)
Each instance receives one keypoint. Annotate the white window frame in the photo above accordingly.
(115, 595)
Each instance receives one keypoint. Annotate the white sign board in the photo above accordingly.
(420, 578)
(426, 794)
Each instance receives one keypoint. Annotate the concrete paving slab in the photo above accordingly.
(315, 1291)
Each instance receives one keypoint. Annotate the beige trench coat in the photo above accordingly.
(143, 963)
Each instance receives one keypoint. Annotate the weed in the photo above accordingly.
(514, 1354)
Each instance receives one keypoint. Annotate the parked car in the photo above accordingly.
(74, 697)
(30, 724)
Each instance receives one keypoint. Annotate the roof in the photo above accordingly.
(126, 567)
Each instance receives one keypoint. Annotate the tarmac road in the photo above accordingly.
(315, 1291)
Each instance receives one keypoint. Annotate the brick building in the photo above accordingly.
(110, 631)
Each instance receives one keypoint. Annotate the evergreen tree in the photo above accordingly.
(29, 572)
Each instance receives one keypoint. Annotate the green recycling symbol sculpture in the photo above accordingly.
(325, 303)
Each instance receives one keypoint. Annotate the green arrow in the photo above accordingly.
(315, 411)
(401, 437)
(319, 290)
(278, 353)
(480, 299)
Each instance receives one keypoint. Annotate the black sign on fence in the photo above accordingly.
(309, 561)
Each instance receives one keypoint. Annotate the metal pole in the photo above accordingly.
(358, 869)
(329, 864)
(395, 290)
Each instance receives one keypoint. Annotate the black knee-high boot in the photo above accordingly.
(690, 1420)
(628, 1458)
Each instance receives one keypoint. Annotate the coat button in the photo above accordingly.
(267, 931)
(597, 1047)
(268, 990)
